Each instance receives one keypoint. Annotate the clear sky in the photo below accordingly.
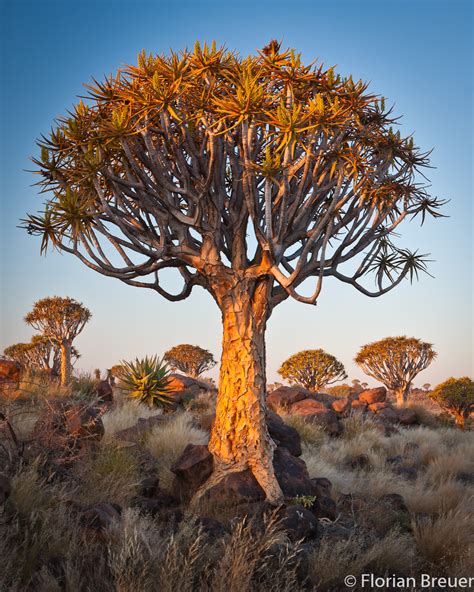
(418, 54)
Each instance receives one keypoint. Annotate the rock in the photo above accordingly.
(341, 406)
(5, 489)
(211, 526)
(137, 432)
(235, 488)
(360, 461)
(149, 486)
(307, 407)
(299, 522)
(84, 423)
(326, 508)
(284, 396)
(64, 428)
(105, 393)
(100, 516)
(242, 487)
(155, 505)
(395, 501)
(375, 395)
(10, 372)
(322, 486)
(406, 472)
(283, 435)
(375, 407)
(359, 405)
(407, 416)
(191, 470)
(185, 385)
(388, 414)
(292, 474)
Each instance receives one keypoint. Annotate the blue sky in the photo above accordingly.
(418, 54)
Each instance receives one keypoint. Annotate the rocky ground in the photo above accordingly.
(95, 494)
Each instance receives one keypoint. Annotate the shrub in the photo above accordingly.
(456, 396)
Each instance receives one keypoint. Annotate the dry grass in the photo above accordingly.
(310, 432)
(166, 443)
(125, 415)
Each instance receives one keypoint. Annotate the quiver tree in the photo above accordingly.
(190, 359)
(39, 354)
(60, 320)
(246, 176)
(456, 396)
(313, 369)
(395, 361)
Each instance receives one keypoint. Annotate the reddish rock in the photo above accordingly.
(137, 432)
(191, 470)
(375, 407)
(407, 416)
(322, 486)
(341, 405)
(326, 507)
(283, 434)
(234, 489)
(5, 489)
(181, 385)
(10, 371)
(84, 423)
(299, 522)
(284, 396)
(375, 395)
(105, 393)
(292, 474)
(359, 405)
(307, 407)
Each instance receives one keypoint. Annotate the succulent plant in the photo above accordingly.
(147, 380)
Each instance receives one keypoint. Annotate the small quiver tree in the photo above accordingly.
(60, 320)
(190, 359)
(395, 361)
(313, 369)
(456, 396)
(246, 176)
(40, 354)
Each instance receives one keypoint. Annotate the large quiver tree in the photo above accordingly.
(246, 176)
(60, 320)
(395, 362)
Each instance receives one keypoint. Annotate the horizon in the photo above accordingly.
(437, 310)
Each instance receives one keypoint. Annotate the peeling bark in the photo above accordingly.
(402, 393)
(65, 363)
(240, 438)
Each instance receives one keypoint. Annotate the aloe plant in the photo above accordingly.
(147, 380)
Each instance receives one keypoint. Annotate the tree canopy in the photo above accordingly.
(313, 369)
(395, 361)
(190, 359)
(204, 160)
(455, 395)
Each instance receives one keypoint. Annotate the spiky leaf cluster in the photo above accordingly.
(395, 361)
(313, 369)
(190, 359)
(176, 161)
(147, 380)
(455, 395)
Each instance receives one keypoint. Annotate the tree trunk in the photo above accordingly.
(65, 363)
(239, 437)
(402, 394)
(460, 419)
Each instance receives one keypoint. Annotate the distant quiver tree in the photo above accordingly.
(246, 176)
(190, 359)
(313, 369)
(60, 320)
(395, 362)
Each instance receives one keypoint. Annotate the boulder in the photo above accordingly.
(149, 487)
(326, 508)
(375, 407)
(322, 486)
(154, 506)
(99, 517)
(283, 434)
(407, 416)
(341, 406)
(307, 407)
(359, 405)
(191, 470)
(284, 396)
(292, 474)
(5, 489)
(388, 414)
(299, 522)
(324, 417)
(375, 395)
(105, 392)
(137, 432)
(84, 423)
(186, 386)
(10, 371)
